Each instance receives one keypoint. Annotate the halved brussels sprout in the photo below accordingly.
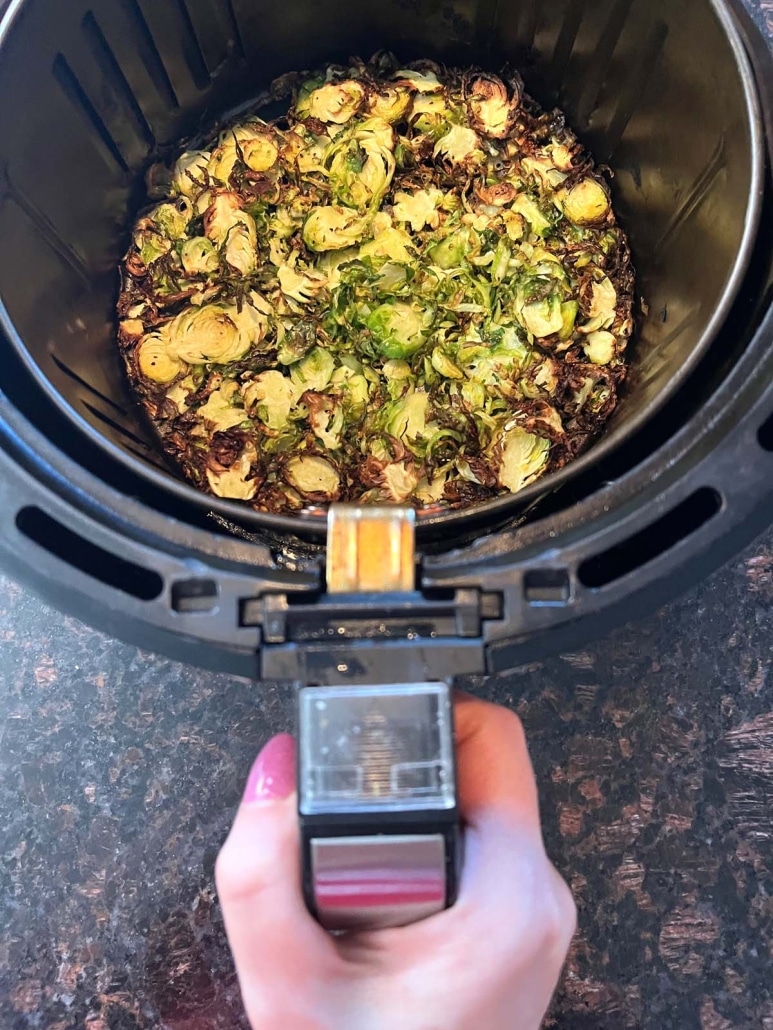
(354, 389)
(223, 409)
(152, 246)
(603, 304)
(419, 208)
(313, 477)
(233, 229)
(399, 328)
(236, 482)
(190, 173)
(523, 457)
(300, 287)
(333, 228)
(335, 102)
(326, 418)
(271, 397)
(314, 371)
(173, 219)
(296, 340)
(600, 347)
(259, 149)
(451, 251)
(431, 114)
(543, 317)
(360, 166)
(199, 256)
(399, 480)
(587, 203)
(528, 207)
(214, 333)
(406, 418)
(251, 144)
(391, 103)
(492, 110)
(392, 244)
(460, 145)
(422, 82)
(155, 360)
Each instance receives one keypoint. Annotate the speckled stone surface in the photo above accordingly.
(120, 771)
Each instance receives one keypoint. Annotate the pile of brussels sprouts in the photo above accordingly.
(410, 288)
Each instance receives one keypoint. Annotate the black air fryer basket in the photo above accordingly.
(675, 95)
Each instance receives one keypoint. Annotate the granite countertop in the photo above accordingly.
(120, 771)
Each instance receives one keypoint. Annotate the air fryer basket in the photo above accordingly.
(674, 94)
(659, 90)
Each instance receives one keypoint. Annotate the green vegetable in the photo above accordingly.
(399, 329)
(409, 289)
(314, 371)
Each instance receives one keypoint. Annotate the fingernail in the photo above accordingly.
(272, 777)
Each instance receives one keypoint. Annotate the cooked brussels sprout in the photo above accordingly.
(314, 371)
(390, 103)
(271, 397)
(600, 347)
(235, 481)
(190, 173)
(460, 145)
(333, 228)
(410, 289)
(523, 457)
(492, 109)
(214, 333)
(314, 477)
(334, 102)
(399, 328)
(223, 410)
(419, 208)
(586, 203)
(360, 165)
(155, 360)
(199, 256)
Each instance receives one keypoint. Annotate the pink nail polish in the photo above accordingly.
(272, 777)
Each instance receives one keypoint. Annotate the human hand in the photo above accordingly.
(492, 961)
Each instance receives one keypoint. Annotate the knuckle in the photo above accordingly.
(235, 878)
(563, 915)
(512, 724)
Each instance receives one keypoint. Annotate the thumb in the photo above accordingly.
(258, 874)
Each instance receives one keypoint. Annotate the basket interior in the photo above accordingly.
(90, 92)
